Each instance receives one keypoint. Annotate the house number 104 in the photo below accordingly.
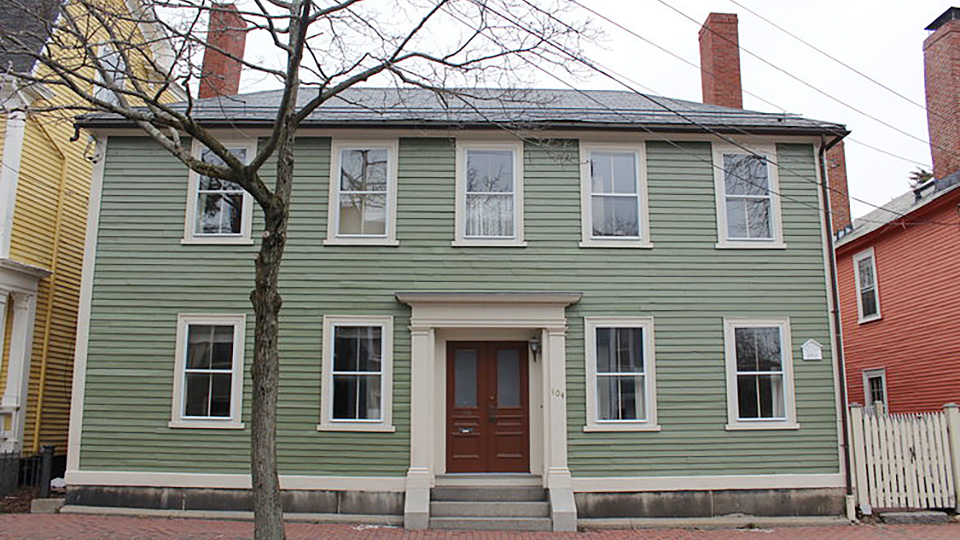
(559, 393)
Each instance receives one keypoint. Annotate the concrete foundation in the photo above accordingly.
(698, 504)
(236, 500)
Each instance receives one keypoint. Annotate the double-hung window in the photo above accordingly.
(115, 68)
(357, 374)
(621, 387)
(868, 297)
(614, 196)
(875, 387)
(219, 211)
(489, 194)
(759, 374)
(208, 384)
(363, 193)
(748, 204)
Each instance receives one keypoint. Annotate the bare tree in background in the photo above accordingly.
(317, 49)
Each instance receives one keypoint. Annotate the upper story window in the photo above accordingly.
(621, 390)
(868, 297)
(759, 374)
(363, 193)
(219, 211)
(209, 371)
(748, 204)
(875, 387)
(357, 374)
(489, 194)
(614, 196)
(113, 64)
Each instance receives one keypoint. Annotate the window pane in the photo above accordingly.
(465, 378)
(758, 349)
(489, 215)
(745, 174)
(760, 396)
(615, 216)
(613, 172)
(865, 267)
(357, 348)
(621, 398)
(364, 169)
(356, 397)
(222, 355)
(363, 214)
(601, 172)
(758, 218)
(875, 390)
(508, 378)
(215, 184)
(220, 394)
(197, 394)
(489, 171)
(199, 337)
(619, 350)
(868, 302)
(219, 213)
(736, 218)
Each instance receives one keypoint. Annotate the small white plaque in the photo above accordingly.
(812, 350)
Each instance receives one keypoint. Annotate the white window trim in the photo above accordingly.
(730, 359)
(770, 152)
(586, 206)
(867, 397)
(239, 323)
(460, 240)
(650, 379)
(333, 211)
(867, 253)
(327, 423)
(189, 227)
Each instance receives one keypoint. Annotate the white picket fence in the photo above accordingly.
(905, 461)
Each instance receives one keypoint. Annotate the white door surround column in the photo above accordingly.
(542, 313)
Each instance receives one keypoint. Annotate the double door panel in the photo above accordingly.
(488, 421)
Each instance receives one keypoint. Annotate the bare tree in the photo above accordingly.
(315, 50)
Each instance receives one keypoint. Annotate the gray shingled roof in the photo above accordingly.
(24, 26)
(391, 107)
(901, 206)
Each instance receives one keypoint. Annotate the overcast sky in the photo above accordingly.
(881, 38)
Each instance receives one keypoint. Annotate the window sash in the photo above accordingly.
(869, 301)
(359, 375)
(766, 198)
(363, 195)
(776, 404)
(210, 372)
(639, 375)
(223, 192)
(477, 223)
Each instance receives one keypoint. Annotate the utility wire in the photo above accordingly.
(700, 68)
(809, 85)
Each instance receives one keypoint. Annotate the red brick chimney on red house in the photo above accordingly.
(226, 41)
(941, 67)
(720, 79)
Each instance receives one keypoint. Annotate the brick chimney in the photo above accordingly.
(720, 61)
(226, 41)
(941, 67)
(837, 184)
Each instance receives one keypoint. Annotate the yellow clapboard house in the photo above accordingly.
(44, 189)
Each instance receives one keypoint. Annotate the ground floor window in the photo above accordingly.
(357, 368)
(875, 388)
(759, 374)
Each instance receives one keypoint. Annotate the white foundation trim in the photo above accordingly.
(83, 315)
(682, 483)
(233, 481)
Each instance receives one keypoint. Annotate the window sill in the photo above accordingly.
(205, 424)
(357, 427)
(488, 243)
(760, 426)
(390, 242)
(765, 244)
(872, 318)
(229, 241)
(613, 243)
(621, 426)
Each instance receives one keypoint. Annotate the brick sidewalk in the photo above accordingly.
(81, 527)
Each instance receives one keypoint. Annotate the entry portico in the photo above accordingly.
(441, 317)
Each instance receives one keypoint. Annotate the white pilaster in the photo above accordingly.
(18, 370)
(416, 512)
(563, 508)
(10, 174)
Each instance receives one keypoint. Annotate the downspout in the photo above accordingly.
(838, 334)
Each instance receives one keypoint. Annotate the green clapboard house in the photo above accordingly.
(581, 304)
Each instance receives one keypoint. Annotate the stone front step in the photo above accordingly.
(512, 509)
(492, 494)
(491, 523)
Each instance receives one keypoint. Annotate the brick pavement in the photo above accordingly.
(85, 527)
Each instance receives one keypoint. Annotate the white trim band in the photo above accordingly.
(725, 482)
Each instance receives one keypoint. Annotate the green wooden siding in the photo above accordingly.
(144, 277)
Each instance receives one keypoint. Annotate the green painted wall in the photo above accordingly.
(144, 277)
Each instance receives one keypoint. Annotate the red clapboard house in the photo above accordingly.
(899, 266)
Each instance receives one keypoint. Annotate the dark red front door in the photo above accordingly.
(487, 416)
